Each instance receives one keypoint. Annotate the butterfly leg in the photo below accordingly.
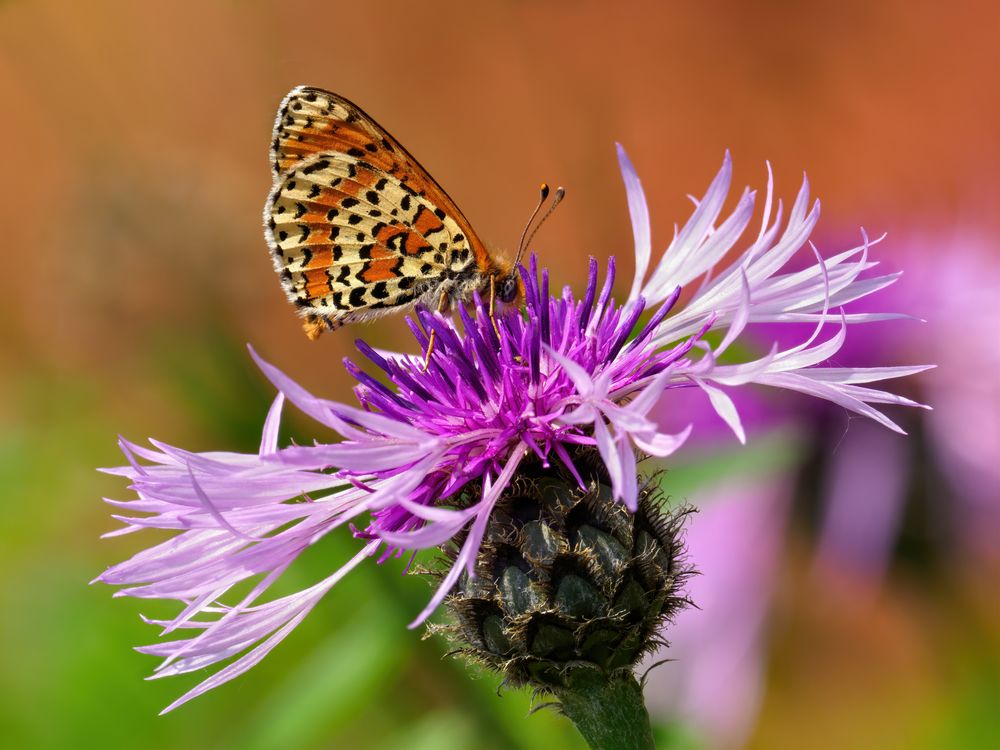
(442, 304)
(493, 299)
(315, 325)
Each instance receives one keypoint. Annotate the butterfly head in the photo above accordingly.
(502, 286)
(509, 287)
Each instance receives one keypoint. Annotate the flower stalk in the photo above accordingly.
(610, 714)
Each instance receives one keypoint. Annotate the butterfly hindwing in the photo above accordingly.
(356, 226)
(351, 241)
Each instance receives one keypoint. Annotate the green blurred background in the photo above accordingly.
(136, 167)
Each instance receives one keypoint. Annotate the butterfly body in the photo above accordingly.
(357, 228)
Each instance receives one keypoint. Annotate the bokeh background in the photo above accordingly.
(849, 587)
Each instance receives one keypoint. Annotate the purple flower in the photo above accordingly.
(566, 372)
(715, 682)
(868, 484)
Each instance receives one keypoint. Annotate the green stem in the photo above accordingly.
(610, 715)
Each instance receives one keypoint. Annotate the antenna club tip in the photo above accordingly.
(544, 190)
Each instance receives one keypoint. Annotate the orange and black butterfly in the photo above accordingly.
(357, 228)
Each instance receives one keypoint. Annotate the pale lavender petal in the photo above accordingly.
(580, 377)
(630, 482)
(865, 374)
(639, 214)
(609, 454)
(797, 359)
(428, 536)
(794, 381)
(372, 456)
(725, 408)
(671, 268)
(661, 444)
(740, 317)
(207, 503)
(269, 436)
(583, 414)
(626, 418)
(321, 410)
(243, 664)
(649, 395)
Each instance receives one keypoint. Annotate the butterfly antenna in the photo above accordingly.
(556, 200)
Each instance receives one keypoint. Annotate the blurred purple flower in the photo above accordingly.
(714, 681)
(566, 372)
(864, 496)
(871, 474)
(963, 308)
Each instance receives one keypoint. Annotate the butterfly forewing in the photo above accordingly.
(356, 226)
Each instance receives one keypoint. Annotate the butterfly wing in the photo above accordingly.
(355, 225)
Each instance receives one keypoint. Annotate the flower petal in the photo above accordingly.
(662, 444)
(725, 408)
(639, 214)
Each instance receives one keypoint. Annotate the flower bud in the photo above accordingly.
(567, 579)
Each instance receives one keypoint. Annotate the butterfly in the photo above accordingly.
(357, 228)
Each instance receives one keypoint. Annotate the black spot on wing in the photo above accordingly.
(317, 166)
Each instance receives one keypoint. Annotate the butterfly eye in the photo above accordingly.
(507, 290)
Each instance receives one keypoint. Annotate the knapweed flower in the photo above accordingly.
(424, 460)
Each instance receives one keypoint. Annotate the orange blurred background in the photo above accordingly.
(138, 133)
(136, 171)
